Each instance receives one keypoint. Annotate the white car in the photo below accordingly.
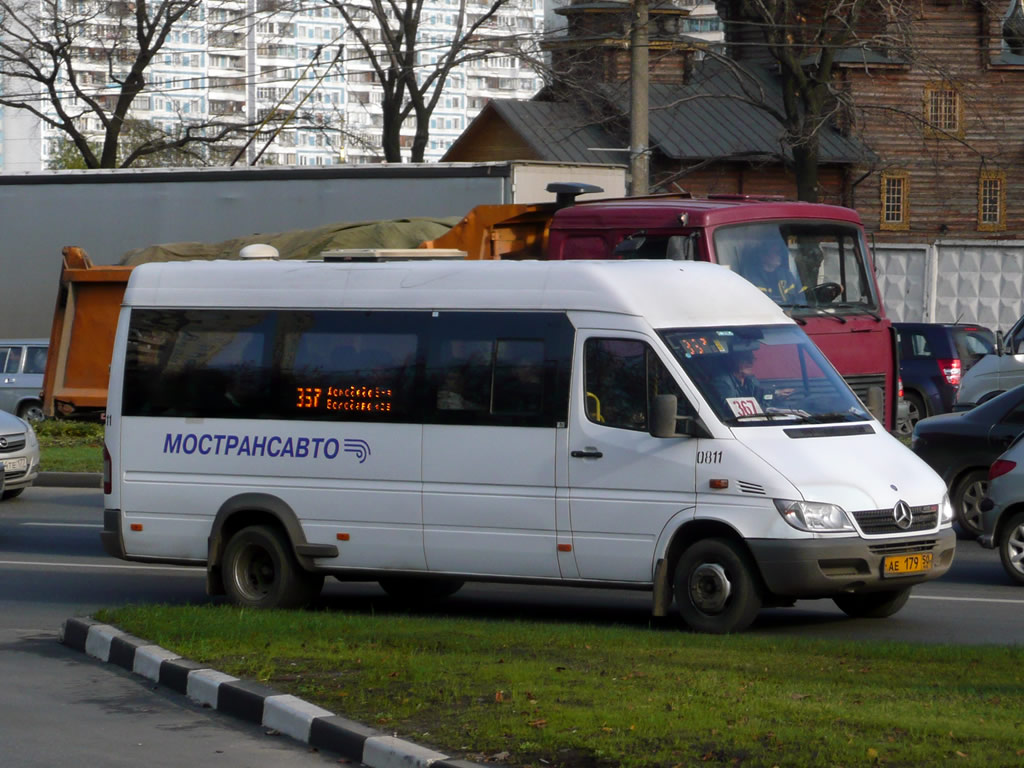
(19, 455)
(1002, 510)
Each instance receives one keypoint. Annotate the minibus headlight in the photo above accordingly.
(813, 516)
(945, 510)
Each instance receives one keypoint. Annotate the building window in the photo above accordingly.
(992, 201)
(943, 111)
(895, 201)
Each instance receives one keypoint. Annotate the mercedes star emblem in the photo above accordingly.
(902, 514)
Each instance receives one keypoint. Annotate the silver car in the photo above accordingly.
(19, 455)
(1002, 510)
(22, 364)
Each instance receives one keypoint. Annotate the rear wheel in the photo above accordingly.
(420, 590)
(11, 494)
(916, 409)
(260, 571)
(715, 586)
(31, 411)
(966, 497)
(1011, 547)
(872, 605)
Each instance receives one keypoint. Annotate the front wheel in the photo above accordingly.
(872, 605)
(966, 497)
(1011, 547)
(715, 586)
(260, 571)
(11, 494)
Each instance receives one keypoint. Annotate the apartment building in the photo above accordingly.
(301, 75)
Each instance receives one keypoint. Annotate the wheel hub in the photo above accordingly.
(709, 588)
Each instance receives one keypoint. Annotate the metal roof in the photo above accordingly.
(559, 131)
(714, 115)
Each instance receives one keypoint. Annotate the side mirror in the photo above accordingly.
(628, 248)
(665, 422)
(999, 343)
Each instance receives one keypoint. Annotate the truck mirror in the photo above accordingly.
(999, 343)
(628, 248)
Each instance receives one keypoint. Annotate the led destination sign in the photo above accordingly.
(352, 398)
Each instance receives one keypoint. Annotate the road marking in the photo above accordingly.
(968, 599)
(183, 568)
(64, 525)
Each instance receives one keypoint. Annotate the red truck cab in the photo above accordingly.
(811, 258)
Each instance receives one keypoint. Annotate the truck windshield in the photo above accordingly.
(763, 375)
(800, 264)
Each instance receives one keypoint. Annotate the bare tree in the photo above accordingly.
(72, 63)
(410, 69)
(806, 40)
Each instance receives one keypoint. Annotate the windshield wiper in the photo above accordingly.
(819, 312)
(861, 307)
(770, 415)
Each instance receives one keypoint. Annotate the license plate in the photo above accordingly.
(902, 565)
(15, 465)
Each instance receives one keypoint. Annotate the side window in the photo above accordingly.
(1018, 340)
(508, 369)
(621, 378)
(10, 359)
(919, 346)
(35, 360)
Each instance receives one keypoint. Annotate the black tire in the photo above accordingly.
(260, 571)
(11, 494)
(872, 605)
(413, 591)
(31, 411)
(967, 495)
(716, 587)
(1011, 547)
(916, 408)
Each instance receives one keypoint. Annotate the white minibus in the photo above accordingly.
(657, 425)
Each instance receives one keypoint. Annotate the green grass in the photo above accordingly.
(572, 694)
(70, 446)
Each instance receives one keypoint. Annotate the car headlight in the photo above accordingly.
(945, 510)
(814, 516)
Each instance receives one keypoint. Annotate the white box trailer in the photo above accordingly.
(111, 212)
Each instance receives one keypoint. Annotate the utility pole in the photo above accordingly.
(639, 158)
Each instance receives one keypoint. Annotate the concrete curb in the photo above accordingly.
(251, 701)
(69, 480)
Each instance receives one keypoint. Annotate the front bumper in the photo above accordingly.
(805, 569)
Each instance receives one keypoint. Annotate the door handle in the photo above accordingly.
(590, 453)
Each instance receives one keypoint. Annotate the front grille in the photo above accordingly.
(8, 476)
(874, 522)
(13, 443)
(862, 384)
(903, 548)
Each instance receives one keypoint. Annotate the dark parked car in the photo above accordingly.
(961, 447)
(933, 357)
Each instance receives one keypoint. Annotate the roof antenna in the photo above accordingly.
(566, 194)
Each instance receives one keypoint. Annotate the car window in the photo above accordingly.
(35, 360)
(919, 346)
(10, 359)
(972, 344)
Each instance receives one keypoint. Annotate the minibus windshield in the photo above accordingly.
(801, 265)
(763, 375)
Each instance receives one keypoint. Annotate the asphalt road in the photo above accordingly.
(60, 705)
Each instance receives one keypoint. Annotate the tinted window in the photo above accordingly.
(498, 368)
(465, 368)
